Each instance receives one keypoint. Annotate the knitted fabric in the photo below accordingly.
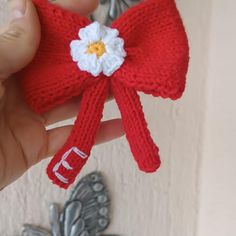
(156, 63)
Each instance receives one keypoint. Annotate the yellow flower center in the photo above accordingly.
(97, 48)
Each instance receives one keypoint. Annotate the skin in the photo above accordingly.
(24, 139)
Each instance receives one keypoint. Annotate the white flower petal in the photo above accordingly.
(116, 47)
(83, 62)
(83, 34)
(90, 63)
(78, 47)
(92, 32)
(111, 63)
(95, 66)
(110, 34)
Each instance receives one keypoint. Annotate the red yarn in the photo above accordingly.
(156, 63)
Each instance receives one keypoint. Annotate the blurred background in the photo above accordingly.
(193, 193)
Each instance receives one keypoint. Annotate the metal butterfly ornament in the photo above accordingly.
(86, 212)
(144, 50)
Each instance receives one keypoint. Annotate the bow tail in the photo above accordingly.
(142, 146)
(68, 162)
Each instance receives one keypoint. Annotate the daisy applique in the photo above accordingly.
(99, 50)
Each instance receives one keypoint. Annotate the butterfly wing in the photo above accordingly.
(54, 215)
(86, 213)
(29, 230)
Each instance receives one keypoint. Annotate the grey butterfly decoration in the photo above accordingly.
(86, 213)
(116, 8)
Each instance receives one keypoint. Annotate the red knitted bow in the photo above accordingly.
(156, 63)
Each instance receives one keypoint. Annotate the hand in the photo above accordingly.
(24, 140)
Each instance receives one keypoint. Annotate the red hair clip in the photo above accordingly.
(145, 49)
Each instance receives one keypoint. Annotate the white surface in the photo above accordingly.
(217, 210)
(165, 203)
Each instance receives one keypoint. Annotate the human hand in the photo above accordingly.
(24, 140)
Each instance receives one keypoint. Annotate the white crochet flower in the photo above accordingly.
(99, 50)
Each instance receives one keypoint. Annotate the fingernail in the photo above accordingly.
(18, 8)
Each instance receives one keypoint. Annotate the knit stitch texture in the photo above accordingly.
(156, 63)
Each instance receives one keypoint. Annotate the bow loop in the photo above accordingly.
(60, 27)
(157, 48)
(53, 60)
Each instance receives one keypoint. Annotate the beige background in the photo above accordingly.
(193, 192)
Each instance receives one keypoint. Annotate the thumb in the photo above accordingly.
(20, 40)
(82, 7)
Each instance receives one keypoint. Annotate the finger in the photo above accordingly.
(108, 131)
(20, 40)
(62, 112)
(82, 7)
(65, 111)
